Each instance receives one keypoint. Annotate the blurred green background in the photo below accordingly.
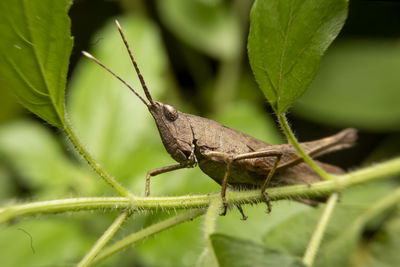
(192, 55)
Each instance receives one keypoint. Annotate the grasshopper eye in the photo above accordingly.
(170, 112)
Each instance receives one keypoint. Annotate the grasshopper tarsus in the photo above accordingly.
(267, 201)
(244, 217)
(225, 206)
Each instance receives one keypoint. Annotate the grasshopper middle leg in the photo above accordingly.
(229, 159)
(267, 180)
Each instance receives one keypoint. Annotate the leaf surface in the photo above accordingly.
(343, 236)
(34, 54)
(39, 162)
(383, 249)
(44, 242)
(236, 252)
(286, 42)
(209, 27)
(358, 86)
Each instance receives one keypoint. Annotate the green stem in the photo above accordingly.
(92, 162)
(103, 240)
(211, 216)
(209, 227)
(292, 140)
(316, 238)
(149, 231)
(372, 173)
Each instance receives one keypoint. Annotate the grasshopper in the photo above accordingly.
(231, 158)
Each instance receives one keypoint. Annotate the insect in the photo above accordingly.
(231, 158)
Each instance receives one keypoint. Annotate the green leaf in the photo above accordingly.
(233, 252)
(208, 26)
(34, 54)
(383, 249)
(295, 240)
(10, 109)
(179, 246)
(358, 85)
(286, 42)
(340, 241)
(344, 232)
(38, 242)
(258, 222)
(36, 156)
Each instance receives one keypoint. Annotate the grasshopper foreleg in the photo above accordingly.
(189, 164)
(159, 171)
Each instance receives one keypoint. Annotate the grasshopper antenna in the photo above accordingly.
(89, 56)
(146, 91)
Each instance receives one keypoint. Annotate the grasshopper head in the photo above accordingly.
(175, 130)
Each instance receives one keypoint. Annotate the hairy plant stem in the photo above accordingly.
(316, 238)
(209, 228)
(92, 162)
(146, 232)
(293, 140)
(103, 240)
(211, 217)
(372, 173)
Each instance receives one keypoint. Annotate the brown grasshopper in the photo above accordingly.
(230, 157)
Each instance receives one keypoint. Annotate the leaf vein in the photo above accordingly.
(23, 78)
(18, 33)
(307, 45)
(42, 72)
(269, 79)
(285, 45)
